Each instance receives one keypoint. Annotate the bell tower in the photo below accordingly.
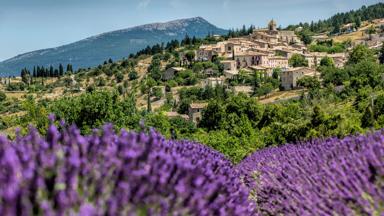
(272, 26)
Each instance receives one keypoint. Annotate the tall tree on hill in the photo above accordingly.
(190, 55)
(25, 74)
(51, 71)
(69, 68)
(358, 22)
(56, 73)
(381, 54)
(61, 70)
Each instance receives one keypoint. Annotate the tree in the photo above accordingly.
(381, 54)
(306, 37)
(358, 22)
(213, 115)
(361, 53)
(327, 62)
(157, 92)
(61, 70)
(190, 55)
(149, 84)
(276, 73)
(298, 60)
(368, 118)
(25, 76)
(132, 75)
(69, 68)
(119, 77)
(3, 96)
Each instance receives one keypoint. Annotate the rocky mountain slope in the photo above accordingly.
(116, 45)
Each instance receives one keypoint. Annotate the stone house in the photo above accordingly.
(195, 112)
(229, 65)
(249, 58)
(248, 90)
(213, 81)
(277, 62)
(290, 77)
(176, 115)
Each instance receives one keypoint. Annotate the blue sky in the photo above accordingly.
(27, 25)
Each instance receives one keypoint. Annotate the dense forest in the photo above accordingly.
(335, 23)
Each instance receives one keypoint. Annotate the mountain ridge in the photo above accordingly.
(116, 44)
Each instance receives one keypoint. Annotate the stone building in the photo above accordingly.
(290, 77)
(214, 81)
(274, 36)
(195, 112)
(177, 115)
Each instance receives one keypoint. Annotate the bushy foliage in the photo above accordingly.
(361, 53)
(94, 109)
(3, 96)
(298, 60)
(321, 177)
(329, 47)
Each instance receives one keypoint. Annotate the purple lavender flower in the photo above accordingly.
(322, 177)
(126, 173)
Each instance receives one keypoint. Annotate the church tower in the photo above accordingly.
(272, 26)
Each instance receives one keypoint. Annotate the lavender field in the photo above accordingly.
(126, 173)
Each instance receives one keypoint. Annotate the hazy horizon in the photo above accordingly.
(27, 26)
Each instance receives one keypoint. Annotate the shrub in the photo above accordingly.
(132, 75)
(119, 77)
(3, 96)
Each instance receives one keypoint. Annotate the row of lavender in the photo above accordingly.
(322, 177)
(106, 173)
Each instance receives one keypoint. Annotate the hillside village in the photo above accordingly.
(261, 53)
(179, 79)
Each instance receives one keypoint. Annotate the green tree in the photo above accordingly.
(61, 70)
(309, 82)
(381, 54)
(190, 55)
(358, 22)
(306, 37)
(368, 118)
(213, 115)
(119, 77)
(3, 96)
(327, 62)
(298, 60)
(157, 92)
(132, 75)
(361, 53)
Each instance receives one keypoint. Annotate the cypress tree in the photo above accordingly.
(61, 70)
(381, 55)
(51, 71)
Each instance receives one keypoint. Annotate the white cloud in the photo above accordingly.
(143, 4)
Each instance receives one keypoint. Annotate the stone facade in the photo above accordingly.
(195, 112)
(290, 77)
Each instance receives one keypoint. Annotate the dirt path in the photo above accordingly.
(280, 96)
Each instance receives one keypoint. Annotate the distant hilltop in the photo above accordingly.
(115, 45)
